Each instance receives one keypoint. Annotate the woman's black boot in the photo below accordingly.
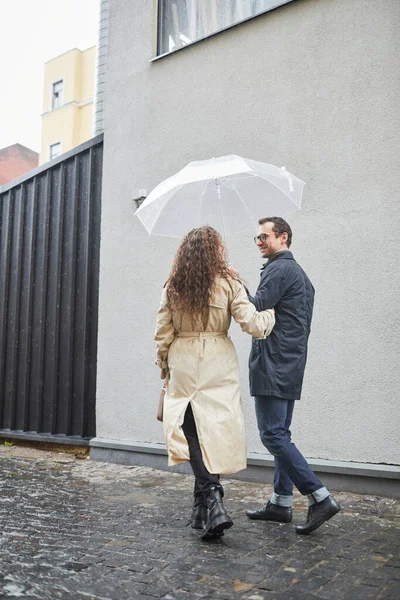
(199, 516)
(218, 519)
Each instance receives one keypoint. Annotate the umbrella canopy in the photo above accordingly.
(230, 193)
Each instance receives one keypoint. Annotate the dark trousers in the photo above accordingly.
(274, 416)
(204, 480)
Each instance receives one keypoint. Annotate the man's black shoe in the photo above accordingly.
(317, 514)
(271, 512)
(199, 516)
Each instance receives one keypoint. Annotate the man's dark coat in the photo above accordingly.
(277, 363)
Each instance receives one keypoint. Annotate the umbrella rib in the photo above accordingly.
(277, 187)
(245, 176)
(165, 204)
(244, 203)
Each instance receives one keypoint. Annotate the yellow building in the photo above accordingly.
(67, 119)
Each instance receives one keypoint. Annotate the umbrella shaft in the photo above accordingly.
(218, 189)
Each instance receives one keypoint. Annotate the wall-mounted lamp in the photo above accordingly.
(139, 196)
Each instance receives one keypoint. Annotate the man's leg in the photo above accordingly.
(283, 485)
(279, 508)
(272, 416)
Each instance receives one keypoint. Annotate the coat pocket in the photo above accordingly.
(255, 347)
(270, 347)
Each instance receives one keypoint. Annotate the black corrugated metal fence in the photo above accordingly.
(49, 266)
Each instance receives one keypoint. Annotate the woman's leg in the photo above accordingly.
(204, 480)
(209, 513)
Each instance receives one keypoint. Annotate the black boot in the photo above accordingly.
(271, 512)
(317, 514)
(217, 520)
(199, 516)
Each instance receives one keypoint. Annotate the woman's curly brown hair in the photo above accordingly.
(198, 262)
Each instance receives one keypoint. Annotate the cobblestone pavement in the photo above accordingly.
(73, 528)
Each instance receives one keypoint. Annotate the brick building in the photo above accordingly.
(16, 160)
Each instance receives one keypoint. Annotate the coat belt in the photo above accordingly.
(202, 335)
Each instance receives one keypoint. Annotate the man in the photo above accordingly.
(276, 367)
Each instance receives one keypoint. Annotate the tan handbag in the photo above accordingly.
(160, 408)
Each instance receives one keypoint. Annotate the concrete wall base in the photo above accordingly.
(360, 478)
(32, 436)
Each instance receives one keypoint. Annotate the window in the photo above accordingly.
(182, 22)
(55, 150)
(57, 96)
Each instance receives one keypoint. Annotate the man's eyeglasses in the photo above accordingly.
(263, 237)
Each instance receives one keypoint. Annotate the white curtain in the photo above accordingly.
(184, 21)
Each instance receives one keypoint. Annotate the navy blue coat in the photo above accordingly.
(277, 364)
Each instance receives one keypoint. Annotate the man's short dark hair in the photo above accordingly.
(280, 226)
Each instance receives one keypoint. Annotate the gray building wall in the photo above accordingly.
(314, 86)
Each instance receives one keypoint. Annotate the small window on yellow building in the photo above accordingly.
(55, 150)
(57, 98)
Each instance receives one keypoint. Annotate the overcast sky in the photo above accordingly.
(32, 32)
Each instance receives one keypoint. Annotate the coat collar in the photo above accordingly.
(285, 255)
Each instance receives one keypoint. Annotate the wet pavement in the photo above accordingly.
(72, 528)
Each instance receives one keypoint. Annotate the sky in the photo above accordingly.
(33, 32)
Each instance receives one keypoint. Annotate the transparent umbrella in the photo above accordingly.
(230, 193)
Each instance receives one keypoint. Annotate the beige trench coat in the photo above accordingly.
(203, 370)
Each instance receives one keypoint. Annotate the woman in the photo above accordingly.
(203, 419)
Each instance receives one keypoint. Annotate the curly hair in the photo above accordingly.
(198, 262)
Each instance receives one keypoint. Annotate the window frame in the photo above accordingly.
(158, 10)
(53, 83)
(51, 146)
